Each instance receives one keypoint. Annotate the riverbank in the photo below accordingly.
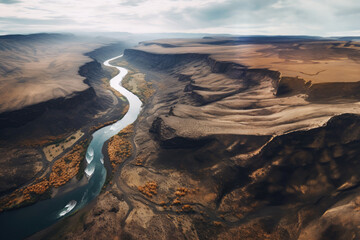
(94, 169)
(206, 165)
(40, 187)
(56, 122)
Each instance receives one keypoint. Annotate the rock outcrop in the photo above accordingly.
(235, 151)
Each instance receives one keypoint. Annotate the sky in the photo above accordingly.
(239, 17)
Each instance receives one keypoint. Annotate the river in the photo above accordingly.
(23, 222)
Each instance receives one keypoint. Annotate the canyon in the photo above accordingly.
(238, 137)
(39, 122)
(244, 144)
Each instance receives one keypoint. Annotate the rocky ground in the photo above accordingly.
(223, 152)
(59, 122)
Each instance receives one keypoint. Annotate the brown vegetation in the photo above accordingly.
(38, 188)
(176, 201)
(149, 189)
(181, 191)
(62, 171)
(24, 195)
(67, 167)
(240, 124)
(187, 208)
(58, 147)
(135, 82)
(139, 161)
(119, 146)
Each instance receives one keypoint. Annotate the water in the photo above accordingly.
(23, 222)
(68, 208)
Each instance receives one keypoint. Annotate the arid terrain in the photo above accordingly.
(38, 68)
(54, 94)
(242, 138)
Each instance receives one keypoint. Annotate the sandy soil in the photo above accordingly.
(224, 157)
(37, 71)
(218, 104)
(318, 62)
(54, 150)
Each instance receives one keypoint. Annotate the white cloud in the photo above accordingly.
(311, 17)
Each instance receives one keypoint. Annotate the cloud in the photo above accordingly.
(132, 2)
(29, 21)
(8, 1)
(310, 17)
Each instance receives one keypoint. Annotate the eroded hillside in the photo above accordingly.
(232, 148)
(54, 94)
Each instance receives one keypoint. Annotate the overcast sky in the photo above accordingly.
(245, 17)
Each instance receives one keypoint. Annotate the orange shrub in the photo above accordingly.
(149, 189)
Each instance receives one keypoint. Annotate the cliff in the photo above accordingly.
(267, 161)
(160, 61)
(39, 119)
(13, 119)
(229, 148)
(25, 131)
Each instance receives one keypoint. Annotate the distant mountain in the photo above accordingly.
(349, 38)
(258, 39)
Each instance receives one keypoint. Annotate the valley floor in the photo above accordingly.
(220, 151)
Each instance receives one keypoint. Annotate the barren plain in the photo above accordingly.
(242, 139)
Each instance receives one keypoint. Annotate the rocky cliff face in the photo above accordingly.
(283, 85)
(159, 61)
(17, 118)
(262, 186)
(23, 132)
(320, 92)
(231, 152)
(84, 104)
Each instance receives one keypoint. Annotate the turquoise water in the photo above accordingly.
(23, 222)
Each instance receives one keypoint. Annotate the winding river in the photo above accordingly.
(23, 222)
